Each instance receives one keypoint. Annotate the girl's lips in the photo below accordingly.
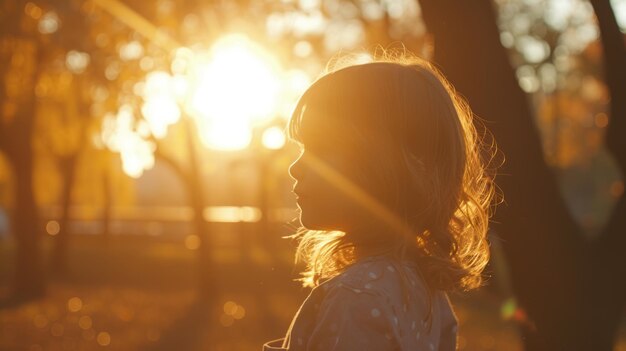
(299, 195)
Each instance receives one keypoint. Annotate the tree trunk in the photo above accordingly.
(548, 260)
(59, 254)
(609, 261)
(68, 165)
(29, 279)
(16, 134)
(207, 283)
(107, 203)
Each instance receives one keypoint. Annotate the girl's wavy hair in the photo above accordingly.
(420, 155)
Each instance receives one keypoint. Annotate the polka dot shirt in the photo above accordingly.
(363, 309)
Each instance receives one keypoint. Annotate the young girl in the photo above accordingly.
(394, 203)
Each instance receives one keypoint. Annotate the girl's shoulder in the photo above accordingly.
(375, 275)
(364, 308)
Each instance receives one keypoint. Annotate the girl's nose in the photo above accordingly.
(296, 169)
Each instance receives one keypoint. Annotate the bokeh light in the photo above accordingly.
(40, 321)
(273, 138)
(77, 61)
(53, 227)
(131, 51)
(160, 108)
(49, 22)
(120, 133)
(74, 304)
(103, 339)
(192, 242)
(85, 322)
(33, 10)
(57, 329)
(232, 312)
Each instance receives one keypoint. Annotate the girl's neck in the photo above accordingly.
(379, 243)
(365, 250)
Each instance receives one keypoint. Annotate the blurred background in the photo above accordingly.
(144, 190)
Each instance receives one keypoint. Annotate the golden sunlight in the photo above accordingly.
(233, 89)
(229, 91)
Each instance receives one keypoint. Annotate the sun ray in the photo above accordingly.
(137, 22)
(355, 192)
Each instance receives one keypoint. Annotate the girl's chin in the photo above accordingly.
(309, 223)
(316, 222)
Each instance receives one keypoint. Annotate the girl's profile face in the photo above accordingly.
(320, 170)
(321, 204)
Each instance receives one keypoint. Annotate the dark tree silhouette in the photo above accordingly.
(609, 261)
(16, 132)
(68, 164)
(567, 285)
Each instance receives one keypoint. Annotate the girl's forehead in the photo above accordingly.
(325, 113)
(339, 105)
(318, 125)
(314, 123)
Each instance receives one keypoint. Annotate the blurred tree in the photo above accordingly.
(56, 68)
(554, 49)
(608, 262)
(572, 290)
(544, 48)
(22, 56)
(67, 153)
(85, 64)
(66, 93)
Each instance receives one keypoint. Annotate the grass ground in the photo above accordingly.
(138, 293)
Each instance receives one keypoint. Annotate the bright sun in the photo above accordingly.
(229, 90)
(235, 87)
